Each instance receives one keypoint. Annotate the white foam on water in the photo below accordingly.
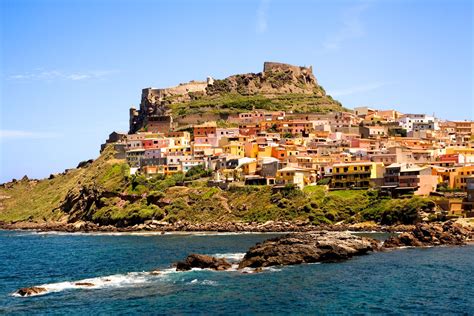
(236, 256)
(203, 282)
(247, 270)
(271, 269)
(209, 282)
(111, 281)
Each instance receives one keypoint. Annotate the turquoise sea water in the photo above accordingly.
(407, 281)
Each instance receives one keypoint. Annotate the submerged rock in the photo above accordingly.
(434, 234)
(155, 272)
(84, 284)
(297, 248)
(29, 291)
(202, 262)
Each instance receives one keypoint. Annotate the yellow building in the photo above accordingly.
(297, 176)
(162, 169)
(458, 178)
(249, 168)
(235, 149)
(251, 150)
(201, 150)
(357, 175)
(179, 150)
(264, 151)
(466, 155)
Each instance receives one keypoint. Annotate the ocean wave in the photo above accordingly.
(139, 278)
(110, 281)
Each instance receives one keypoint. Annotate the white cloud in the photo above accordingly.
(262, 23)
(39, 74)
(19, 134)
(358, 89)
(352, 27)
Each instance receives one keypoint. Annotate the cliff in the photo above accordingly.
(278, 87)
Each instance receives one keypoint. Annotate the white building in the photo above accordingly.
(407, 121)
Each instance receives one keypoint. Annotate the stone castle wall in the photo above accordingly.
(269, 66)
(155, 95)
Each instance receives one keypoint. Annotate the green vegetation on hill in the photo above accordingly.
(230, 103)
(103, 193)
(41, 200)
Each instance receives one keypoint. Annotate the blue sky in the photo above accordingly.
(70, 70)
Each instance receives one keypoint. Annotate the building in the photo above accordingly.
(134, 157)
(373, 131)
(205, 129)
(407, 121)
(357, 175)
(458, 177)
(299, 177)
(464, 131)
(401, 178)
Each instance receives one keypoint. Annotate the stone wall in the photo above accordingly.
(199, 118)
(271, 66)
(181, 90)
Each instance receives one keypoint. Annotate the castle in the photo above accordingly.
(153, 115)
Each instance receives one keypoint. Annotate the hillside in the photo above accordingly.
(279, 87)
(232, 103)
(101, 192)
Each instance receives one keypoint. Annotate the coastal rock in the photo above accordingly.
(29, 291)
(202, 262)
(402, 240)
(297, 248)
(424, 234)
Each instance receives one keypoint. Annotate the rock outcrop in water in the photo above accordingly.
(30, 291)
(202, 262)
(297, 248)
(435, 234)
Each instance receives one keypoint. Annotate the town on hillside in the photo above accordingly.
(395, 153)
(383, 149)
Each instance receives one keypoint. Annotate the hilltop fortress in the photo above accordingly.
(276, 79)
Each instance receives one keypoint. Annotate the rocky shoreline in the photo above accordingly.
(183, 226)
(312, 247)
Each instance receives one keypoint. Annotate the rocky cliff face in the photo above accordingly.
(276, 79)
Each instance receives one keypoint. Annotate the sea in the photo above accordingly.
(422, 281)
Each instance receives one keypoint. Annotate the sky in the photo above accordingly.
(70, 70)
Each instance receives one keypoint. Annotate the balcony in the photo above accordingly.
(354, 172)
